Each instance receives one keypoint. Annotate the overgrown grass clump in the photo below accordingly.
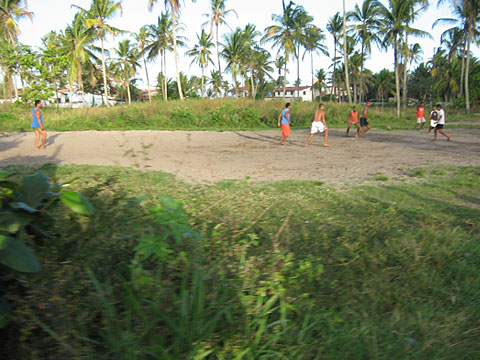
(243, 270)
(217, 114)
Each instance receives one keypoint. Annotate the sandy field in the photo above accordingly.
(207, 156)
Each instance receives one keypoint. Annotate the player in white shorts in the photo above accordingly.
(318, 125)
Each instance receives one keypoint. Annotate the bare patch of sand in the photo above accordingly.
(206, 156)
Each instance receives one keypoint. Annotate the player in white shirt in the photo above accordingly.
(440, 123)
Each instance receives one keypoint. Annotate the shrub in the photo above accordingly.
(23, 215)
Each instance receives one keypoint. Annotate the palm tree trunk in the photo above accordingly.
(56, 94)
(298, 70)
(236, 83)
(284, 77)
(104, 69)
(334, 68)
(252, 82)
(148, 81)
(9, 87)
(405, 71)
(202, 82)
(174, 30)
(70, 94)
(127, 83)
(218, 55)
(462, 75)
(355, 90)
(15, 86)
(467, 70)
(80, 83)
(311, 61)
(397, 75)
(345, 55)
(361, 70)
(5, 81)
(165, 82)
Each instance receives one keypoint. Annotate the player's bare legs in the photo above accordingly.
(37, 138)
(441, 132)
(309, 139)
(364, 130)
(326, 138)
(44, 138)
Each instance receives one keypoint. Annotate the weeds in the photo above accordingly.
(217, 114)
(246, 270)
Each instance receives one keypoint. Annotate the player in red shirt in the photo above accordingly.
(353, 120)
(420, 116)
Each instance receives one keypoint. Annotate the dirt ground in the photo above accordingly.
(210, 156)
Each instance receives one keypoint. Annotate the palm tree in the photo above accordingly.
(302, 25)
(443, 73)
(334, 27)
(142, 39)
(233, 52)
(202, 54)
(217, 17)
(395, 20)
(253, 55)
(383, 84)
(101, 11)
(161, 40)
(216, 82)
(11, 12)
(314, 38)
(282, 36)
(416, 7)
(175, 12)
(261, 67)
(126, 62)
(321, 80)
(469, 11)
(367, 24)
(345, 55)
(279, 64)
(460, 28)
(74, 43)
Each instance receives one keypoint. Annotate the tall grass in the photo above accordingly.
(217, 114)
(244, 270)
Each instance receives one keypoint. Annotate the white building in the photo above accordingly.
(243, 92)
(73, 98)
(302, 93)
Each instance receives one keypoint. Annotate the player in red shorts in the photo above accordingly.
(284, 122)
(353, 120)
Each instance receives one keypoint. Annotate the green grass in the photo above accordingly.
(282, 270)
(218, 114)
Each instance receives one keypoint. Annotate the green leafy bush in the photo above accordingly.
(22, 216)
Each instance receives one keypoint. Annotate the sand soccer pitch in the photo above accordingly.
(208, 156)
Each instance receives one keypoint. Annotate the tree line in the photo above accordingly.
(77, 57)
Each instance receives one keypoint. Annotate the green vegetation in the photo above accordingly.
(75, 57)
(244, 270)
(23, 208)
(219, 114)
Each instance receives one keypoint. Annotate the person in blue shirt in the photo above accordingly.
(284, 122)
(37, 125)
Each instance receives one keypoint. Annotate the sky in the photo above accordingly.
(57, 14)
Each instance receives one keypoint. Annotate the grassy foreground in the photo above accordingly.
(285, 270)
(218, 114)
